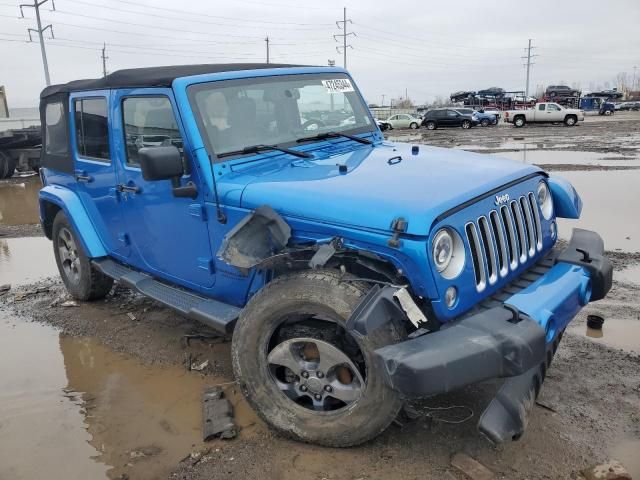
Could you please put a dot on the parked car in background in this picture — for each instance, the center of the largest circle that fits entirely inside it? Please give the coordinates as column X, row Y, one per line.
column 545, row 112
column 382, row 125
column 403, row 120
column 612, row 94
column 447, row 117
column 524, row 99
column 484, row 119
column 626, row 106
column 561, row 91
column 491, row 92
column 461, row 95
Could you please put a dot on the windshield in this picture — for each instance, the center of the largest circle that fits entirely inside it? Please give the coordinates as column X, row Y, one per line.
column 235, row 114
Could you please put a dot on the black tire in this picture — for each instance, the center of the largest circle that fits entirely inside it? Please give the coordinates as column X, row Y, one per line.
column 570, row 120
column 552, row 94
column 82, row 280
column 414, row 126
column 318, row 293
column 485, row 122
column 7, row 166
column 608, row 113
column 431, row 125
column 519, row 121
column 466, row 124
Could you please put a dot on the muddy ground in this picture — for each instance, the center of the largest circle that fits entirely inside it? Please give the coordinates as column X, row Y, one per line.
column 131, row 405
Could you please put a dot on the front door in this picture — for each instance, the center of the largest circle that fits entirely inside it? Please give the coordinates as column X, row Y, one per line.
column 95, row 169
column 554, row 113
column 168, row 234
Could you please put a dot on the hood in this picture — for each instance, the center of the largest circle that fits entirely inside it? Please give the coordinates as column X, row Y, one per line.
column 380, row 184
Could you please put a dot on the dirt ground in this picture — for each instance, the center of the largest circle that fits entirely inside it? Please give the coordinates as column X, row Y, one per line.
column 588, row 410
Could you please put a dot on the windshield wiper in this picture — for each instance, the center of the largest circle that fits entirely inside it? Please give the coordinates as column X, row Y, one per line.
column 262, row 148
column 325, row 135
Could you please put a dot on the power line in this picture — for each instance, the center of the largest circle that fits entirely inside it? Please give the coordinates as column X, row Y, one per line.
column 344, row 36
column 40, row 30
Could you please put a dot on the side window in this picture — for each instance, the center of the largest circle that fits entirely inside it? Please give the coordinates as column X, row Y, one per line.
column 92, row 128
column 148, row 122
column 452, row 113
column 541, row 107
column 553, row 108
column 56, row 131
column 441, row 113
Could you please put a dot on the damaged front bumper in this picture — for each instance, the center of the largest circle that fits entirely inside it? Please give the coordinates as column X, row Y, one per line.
column 515, row 339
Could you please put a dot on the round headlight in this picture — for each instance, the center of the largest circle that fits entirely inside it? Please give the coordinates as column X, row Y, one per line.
column 442, row 249
column 544, row 200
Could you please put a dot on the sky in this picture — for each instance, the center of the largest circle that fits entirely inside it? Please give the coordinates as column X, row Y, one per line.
column 424, row 48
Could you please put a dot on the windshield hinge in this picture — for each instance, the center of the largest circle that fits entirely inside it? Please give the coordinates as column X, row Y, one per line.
column 399, row 225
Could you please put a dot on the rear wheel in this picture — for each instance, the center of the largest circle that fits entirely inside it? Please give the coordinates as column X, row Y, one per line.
column 466, row 124
column 608, row 113
column 82, row 280
column 570, row 120
column 431, row 125
column 302, row 371
column 519, row 121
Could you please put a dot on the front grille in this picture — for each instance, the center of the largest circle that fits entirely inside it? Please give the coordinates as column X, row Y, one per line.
column 504, row 239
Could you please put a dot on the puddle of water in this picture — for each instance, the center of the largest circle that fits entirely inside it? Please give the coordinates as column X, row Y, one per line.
column 616, row 333
column 71, row 408
column 610, row 201
column 19, row 202
column 25, row 260
column 628, row 274
column 626, row 452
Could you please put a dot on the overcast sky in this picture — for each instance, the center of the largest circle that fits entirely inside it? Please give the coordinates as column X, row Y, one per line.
column 428, row 48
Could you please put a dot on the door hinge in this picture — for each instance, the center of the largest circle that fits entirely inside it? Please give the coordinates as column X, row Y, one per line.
column 206, row 263
column 197, row 210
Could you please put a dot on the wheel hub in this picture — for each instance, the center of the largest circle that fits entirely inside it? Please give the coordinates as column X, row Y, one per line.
column 318, row 382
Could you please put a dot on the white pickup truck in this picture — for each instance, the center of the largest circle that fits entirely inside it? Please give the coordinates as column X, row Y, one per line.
column 544, row 112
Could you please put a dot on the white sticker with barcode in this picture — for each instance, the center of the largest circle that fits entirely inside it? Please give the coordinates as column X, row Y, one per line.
column 338, row 85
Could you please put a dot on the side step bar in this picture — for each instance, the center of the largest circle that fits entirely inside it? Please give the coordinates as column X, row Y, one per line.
column 217, row 315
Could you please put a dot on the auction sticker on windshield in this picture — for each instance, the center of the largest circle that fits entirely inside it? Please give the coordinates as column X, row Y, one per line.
column 338, row 85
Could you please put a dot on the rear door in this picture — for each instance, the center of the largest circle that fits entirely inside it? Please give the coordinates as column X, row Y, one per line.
column 168, row 234
column 95, row 171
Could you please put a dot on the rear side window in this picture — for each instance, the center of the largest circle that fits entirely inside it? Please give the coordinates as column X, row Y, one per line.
column 149, row 122
column 92, row 128
column 56, row 133
column 541, row 107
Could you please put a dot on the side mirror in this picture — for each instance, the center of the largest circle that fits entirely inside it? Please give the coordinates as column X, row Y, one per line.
column 160, row 163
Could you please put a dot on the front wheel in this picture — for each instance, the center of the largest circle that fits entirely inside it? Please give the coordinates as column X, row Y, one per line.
column 466, row 124
column 431, row 125
column 607, row 113
column 301, row 370
column 82, row 280
column 414, row 126
column 485, row 122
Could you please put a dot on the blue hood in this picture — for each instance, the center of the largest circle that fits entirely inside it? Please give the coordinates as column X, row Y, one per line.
column 375, row 189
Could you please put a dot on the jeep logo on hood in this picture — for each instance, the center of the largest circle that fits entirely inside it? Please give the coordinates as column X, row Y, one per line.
column 501, row 199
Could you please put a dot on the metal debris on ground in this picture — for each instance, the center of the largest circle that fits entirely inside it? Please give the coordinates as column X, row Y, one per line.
column 217, row 415
column 69, row 303
column 131, row 316
column 198, row 367
column 471, row 467
column 211, row 337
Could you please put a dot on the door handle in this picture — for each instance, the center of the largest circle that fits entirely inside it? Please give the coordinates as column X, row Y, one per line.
column 128, row 188
column 81, row 176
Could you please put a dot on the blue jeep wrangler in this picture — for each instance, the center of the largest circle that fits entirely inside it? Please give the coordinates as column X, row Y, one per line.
column 263, row 201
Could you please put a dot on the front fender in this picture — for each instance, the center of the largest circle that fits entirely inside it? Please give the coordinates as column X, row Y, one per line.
column 566, row 201
column 82, row 225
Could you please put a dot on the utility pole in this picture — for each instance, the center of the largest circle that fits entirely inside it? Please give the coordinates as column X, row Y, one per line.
column 528, row 58
column 383, row 95
column 104, row 60
column 36, row 6
column 267, row 42
column 344, row 35
column 633, row 84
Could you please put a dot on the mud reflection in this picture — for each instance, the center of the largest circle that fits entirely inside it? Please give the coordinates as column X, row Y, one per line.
column 19, row 202
column 25, row 260
column 616, row 332
column 88, row 412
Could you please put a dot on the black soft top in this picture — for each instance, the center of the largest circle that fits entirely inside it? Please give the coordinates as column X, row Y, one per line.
column 152, row 76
